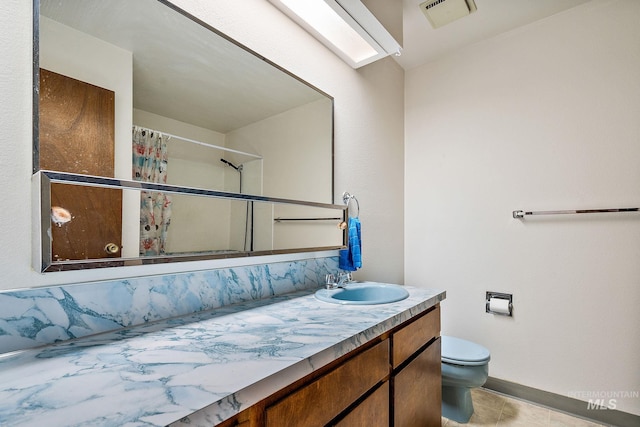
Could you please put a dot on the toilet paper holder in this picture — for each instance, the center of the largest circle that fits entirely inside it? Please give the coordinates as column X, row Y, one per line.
column 506, row 308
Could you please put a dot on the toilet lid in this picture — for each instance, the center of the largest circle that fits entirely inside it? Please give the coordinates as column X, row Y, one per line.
column 462, row 352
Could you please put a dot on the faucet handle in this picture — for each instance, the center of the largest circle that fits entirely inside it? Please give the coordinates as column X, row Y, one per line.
column 345, row 277
column 330, row 279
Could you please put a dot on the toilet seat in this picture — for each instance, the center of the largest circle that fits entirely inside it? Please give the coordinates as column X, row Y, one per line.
column 462, row 352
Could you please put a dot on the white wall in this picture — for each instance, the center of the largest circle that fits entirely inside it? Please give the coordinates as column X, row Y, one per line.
column 292, row 144
column 544, row 117
column 368, row 136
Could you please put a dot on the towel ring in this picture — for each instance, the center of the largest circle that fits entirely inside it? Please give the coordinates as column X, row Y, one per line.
column 347, row 198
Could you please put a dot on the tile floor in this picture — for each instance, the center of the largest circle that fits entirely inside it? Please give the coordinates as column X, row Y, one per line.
column 493, row 409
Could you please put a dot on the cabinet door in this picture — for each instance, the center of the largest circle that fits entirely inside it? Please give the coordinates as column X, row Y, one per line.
column 418, row 390
column 372, row 412
column 409, row 339
column 317, row 403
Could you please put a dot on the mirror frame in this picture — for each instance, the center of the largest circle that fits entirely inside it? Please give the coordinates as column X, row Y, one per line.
column 42, row 180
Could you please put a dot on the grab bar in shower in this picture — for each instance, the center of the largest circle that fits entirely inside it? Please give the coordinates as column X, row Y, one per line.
column 306, row 219
column 521, row 214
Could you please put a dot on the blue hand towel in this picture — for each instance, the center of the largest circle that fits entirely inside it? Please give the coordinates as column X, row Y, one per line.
column 351, row 258
column 343, row 262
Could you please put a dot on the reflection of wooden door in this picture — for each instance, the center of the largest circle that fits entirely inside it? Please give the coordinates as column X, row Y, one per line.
column 77, row 127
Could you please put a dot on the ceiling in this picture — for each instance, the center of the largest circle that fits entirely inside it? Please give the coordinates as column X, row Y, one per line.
column 423, row 44
column 191, row 47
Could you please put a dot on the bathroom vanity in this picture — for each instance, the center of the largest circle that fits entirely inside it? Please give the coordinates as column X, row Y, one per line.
column 395, row 376
column 287, row 360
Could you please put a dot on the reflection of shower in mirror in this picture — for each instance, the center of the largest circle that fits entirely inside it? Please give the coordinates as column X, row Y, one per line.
column 238, row 168
column 248, row 245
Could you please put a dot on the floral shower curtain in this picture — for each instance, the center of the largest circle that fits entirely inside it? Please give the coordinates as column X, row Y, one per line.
column 150, row 165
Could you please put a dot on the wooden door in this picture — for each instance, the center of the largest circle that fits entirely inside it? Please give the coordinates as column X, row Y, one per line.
column 76, row 134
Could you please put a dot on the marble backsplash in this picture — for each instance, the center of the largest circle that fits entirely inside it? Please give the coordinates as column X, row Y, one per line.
column 35, row 317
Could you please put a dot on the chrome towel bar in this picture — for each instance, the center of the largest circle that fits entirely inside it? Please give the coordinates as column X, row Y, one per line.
column 522, row 214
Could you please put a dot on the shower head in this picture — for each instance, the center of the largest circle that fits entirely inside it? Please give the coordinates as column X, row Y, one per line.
column 228, row 163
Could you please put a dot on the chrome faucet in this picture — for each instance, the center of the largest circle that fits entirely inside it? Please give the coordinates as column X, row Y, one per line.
column 340, row 280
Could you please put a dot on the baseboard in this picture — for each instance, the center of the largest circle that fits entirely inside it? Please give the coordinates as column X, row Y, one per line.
column 569, row 405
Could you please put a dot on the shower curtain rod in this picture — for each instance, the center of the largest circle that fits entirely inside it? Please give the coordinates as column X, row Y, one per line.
column 193, row 141
column 522, row 214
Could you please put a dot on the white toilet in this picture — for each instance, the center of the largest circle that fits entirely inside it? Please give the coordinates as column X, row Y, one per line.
column 464, row 365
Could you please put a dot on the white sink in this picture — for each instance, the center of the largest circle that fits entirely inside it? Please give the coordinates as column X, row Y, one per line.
column 361, row 293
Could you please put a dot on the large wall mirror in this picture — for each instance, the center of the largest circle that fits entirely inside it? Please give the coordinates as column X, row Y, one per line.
column 142, row 91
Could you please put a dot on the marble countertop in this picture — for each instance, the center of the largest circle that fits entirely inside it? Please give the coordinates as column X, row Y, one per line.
column 196, row 370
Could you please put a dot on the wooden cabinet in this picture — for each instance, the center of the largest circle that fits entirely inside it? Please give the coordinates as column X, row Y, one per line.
column 414, row 335
column 394, row 380
column 417, row 377
column 319, row 402
column 418, row 390
column 372, row 412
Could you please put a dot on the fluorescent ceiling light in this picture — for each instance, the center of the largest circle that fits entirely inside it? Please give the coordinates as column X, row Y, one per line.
column 347, row 27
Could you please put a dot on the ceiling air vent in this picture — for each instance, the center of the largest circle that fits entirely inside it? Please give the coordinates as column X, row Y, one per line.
column 442, row 12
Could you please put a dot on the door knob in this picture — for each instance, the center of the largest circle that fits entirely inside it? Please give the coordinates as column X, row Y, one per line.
column 111, row 248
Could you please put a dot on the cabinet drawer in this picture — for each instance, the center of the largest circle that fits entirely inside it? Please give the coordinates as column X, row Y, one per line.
column 409, row 339
column 372, row 412
column 322, row 400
